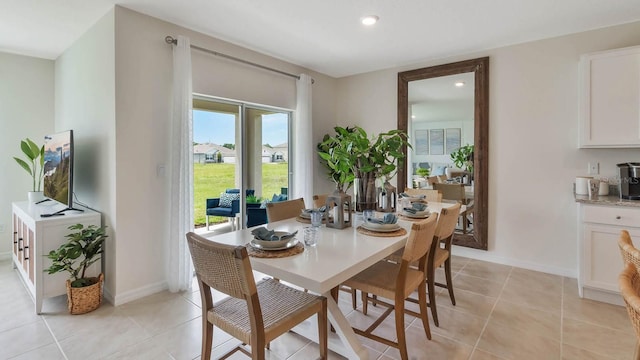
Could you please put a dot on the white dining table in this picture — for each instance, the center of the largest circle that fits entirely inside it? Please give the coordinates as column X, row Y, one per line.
column 338, row 255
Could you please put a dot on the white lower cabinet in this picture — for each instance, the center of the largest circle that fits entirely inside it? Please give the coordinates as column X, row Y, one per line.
column 33, row 238
column 600, row 262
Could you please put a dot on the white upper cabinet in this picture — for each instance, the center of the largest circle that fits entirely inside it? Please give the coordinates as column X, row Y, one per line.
column 610, row 99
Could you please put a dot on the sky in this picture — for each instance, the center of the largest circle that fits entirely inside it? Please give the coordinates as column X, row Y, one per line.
column 219, row 128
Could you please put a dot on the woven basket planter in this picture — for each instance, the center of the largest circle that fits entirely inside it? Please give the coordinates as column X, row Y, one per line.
column 84, row 299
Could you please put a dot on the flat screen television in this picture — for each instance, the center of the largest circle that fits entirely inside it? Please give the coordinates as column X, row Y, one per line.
column 58, row 168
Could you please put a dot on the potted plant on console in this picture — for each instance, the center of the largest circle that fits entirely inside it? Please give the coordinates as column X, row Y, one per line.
column 34, row 166
column 82, row 248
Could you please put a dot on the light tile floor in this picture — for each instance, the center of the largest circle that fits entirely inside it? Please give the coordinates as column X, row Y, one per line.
column 502, row 312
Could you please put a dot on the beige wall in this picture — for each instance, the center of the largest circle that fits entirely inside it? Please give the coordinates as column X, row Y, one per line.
column 143, row 63
column 533, row 155
column 26, row 110
column 85, row 103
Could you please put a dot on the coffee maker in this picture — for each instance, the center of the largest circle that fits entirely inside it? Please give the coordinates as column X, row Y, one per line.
column 629, row 180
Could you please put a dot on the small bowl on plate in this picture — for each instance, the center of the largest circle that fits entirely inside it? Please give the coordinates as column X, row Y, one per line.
column 275, row 243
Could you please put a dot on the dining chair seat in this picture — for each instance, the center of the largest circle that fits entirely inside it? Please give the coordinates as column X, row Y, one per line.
column 440, row 256
column 380, row 280
column 281, row 306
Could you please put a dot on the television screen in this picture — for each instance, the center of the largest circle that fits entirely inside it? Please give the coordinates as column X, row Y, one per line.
column 58, row 167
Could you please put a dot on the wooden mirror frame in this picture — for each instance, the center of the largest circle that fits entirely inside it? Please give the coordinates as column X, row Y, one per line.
column 478, row 239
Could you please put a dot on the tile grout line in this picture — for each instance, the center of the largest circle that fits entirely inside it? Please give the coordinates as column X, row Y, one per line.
column 55, row 339
column 562, row 319
column 504, row 285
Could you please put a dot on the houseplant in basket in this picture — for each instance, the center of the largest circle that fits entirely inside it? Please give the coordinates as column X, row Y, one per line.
column 82, row 248
column 34, row 165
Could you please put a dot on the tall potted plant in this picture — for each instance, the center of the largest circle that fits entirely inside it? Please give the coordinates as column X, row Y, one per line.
column 34, row 165
column 354, row 157
column 82, row 248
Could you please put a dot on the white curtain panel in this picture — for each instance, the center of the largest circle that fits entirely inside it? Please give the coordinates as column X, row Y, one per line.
column 303, row 146
column 179, row 269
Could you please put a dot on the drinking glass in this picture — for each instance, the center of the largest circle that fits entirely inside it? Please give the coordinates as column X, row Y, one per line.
column 316, row 218
column 311, row 235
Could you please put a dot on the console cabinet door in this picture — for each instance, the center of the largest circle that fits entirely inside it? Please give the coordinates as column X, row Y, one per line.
column 610, row 99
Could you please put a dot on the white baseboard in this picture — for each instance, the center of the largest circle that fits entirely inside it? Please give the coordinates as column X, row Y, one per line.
column 135, row 294
column 5, row 255
column 487, row 256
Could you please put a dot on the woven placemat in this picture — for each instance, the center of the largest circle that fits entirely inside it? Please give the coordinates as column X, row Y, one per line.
column 398, row 232
column 275, row 253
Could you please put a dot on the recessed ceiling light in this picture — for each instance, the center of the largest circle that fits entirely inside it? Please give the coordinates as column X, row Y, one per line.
column 413, row 116
column 370, row 20
column 460, row 83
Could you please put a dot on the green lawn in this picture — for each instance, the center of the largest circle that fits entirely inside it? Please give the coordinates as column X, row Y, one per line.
column 209, row 180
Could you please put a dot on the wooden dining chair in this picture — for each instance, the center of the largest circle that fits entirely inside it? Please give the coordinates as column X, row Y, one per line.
column 281, row 210
column 430, row 195
column 254, row 313
column 630, row 254
column 629, row 282
column 456, row 192
column 440, row 254
column 320, row 200
column 397, row 281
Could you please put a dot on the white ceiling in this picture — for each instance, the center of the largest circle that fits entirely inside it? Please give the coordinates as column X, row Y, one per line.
column 325, row 36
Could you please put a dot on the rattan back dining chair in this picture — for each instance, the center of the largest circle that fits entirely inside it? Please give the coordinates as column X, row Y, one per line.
column 397, row 281
column 630, row 254
column 430, row 195
column 629, row 282
column 254, row 313
column 440, row 255
column 281, row 210
column 320, row 200
column 456, row 192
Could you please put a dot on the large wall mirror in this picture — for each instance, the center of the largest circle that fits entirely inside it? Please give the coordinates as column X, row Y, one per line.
column 443, row 108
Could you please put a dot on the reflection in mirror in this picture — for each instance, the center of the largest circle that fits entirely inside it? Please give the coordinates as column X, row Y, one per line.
column 444, row 110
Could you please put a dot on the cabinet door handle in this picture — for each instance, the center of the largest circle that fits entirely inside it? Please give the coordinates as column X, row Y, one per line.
column 19, row 248
column 618, row 217
column 25, row 251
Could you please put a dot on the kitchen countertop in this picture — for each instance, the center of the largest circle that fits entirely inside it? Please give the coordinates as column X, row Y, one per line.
column 607, row 200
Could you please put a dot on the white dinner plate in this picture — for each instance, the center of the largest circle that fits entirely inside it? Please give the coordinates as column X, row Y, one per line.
column 418, row 215
column 288, row 245
column 380, row 227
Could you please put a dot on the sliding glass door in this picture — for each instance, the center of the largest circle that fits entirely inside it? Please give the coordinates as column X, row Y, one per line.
column 242, row 147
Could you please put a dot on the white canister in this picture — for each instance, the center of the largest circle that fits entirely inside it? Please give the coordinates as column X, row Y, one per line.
column 582, row 185
column 604, row 187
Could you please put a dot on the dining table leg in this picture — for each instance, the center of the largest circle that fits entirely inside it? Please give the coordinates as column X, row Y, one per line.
column 352, row 346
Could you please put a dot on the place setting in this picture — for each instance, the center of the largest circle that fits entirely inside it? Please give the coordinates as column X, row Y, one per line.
column 413, row 198
column 315, row 217
column 273, row 244
column 386, row 226
column 417, row 211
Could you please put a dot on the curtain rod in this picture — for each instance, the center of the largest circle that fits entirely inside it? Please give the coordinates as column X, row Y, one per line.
column 171, row 40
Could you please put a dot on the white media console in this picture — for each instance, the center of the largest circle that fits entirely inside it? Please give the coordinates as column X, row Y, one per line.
column 34, row 236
